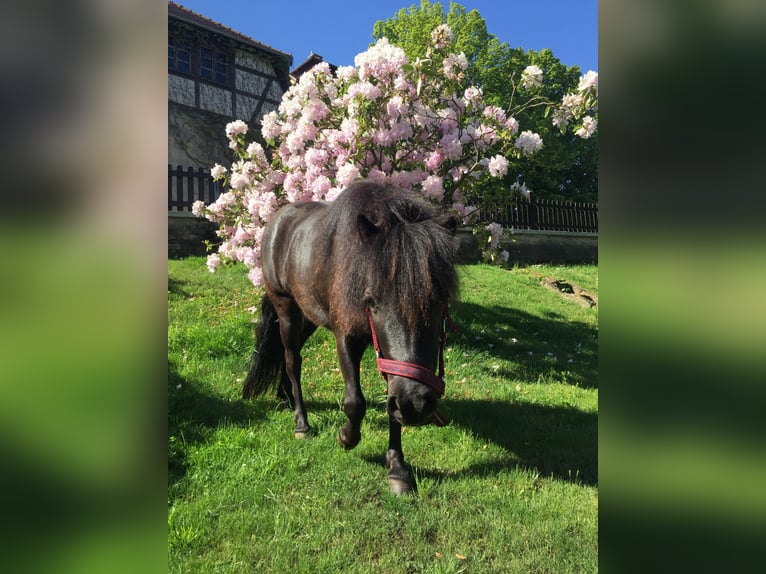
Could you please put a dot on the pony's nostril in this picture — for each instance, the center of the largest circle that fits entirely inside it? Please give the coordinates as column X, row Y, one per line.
column 392, row 405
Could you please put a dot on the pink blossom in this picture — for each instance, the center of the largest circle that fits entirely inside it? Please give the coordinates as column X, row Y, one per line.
column 587, row 129
column 588, row 81
column 213, row 262
column 217, row 172
column 454, row 65
column 376, row 175
column 532, row 77
column 512, row 125
column 367, row 90
column 380, row 60
column 442, row 37
column 345, row 73
column 396, row 107
column 316, row 157
column 249, row 256
column 290, row 106
column 458, row 172
column 270, row 128
column 349, row 128
column 401, row 131
column 292, row 183
column 453, row 149
column 295, row 142
column 472, row 95
column 198, row 208
column 467, row 212
column 495, row 231
column 495, row 113
column 256, row 276
column 406, row 125
column 498, row 166
column 315, row 110
column 529, row 142
column 383, row 138
column 333, row 193
column 320, row 187
column 433, row 187
column 236, row 128
column 435, row 158
column 347, row 173
column 255, row 151
column 238, row 181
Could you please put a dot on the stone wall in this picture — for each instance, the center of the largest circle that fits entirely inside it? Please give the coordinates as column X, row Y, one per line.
column 186, row 235
column 530, row 247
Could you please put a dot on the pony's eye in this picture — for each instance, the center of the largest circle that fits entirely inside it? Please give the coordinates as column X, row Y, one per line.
column 369, row 300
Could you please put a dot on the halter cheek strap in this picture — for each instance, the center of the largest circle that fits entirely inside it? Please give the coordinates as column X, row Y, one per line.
column 411, row 370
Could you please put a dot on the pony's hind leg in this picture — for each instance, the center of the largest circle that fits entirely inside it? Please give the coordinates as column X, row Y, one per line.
column 294, row 329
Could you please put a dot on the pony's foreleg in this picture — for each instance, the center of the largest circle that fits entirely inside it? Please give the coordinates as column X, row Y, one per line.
column 294, row 329
column 350, row 353
column 399, row 478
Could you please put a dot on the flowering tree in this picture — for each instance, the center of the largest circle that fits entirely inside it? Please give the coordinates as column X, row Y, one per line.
column 411, row 124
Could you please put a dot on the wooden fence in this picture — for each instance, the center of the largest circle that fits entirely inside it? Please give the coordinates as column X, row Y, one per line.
column 543, row 215
column 185, row 186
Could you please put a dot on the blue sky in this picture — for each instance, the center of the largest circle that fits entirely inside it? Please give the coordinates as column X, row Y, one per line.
column 340, row 29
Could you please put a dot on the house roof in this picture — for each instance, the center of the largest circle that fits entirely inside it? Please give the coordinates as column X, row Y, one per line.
column 307, row 64
column 184, row 14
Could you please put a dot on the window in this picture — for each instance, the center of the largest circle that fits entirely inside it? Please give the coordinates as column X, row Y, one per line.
column 179, row 57
column 213, row 65
column 220, row 67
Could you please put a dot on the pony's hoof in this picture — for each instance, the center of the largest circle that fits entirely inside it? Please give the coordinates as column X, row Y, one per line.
column 400, row 487
column 302, row 434
column 348, row 440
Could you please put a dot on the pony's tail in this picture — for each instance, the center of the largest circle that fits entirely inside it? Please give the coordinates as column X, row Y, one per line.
column 269, row 356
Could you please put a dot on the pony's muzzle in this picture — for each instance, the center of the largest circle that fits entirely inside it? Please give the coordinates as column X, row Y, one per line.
column 411, row 403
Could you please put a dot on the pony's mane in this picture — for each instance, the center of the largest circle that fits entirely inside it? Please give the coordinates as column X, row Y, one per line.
column 409, row 256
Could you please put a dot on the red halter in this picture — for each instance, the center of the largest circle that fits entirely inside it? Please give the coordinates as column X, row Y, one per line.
column 411, row 370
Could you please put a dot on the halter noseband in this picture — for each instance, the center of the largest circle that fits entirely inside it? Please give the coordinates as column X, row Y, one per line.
column 411, row 370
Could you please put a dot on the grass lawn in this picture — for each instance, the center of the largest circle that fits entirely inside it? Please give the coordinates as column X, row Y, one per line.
column 509, row 486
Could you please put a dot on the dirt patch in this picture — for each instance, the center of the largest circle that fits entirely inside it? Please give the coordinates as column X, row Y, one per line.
column 571, row 291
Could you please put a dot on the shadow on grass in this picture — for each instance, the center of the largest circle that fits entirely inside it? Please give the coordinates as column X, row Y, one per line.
column 555, row 442
column 193, row 413
column 564, row 340
column 175, row 287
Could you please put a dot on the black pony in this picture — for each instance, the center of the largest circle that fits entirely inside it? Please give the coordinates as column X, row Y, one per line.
column 378, row 264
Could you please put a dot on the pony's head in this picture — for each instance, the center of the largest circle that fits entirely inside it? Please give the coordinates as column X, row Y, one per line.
column 403, row 271
column 413, row 388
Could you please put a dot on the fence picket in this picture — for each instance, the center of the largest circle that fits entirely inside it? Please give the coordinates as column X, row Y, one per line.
column 185, row 186
column 543, row 215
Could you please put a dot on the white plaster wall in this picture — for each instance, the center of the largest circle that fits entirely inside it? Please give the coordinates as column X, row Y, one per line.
column 245, row 107
column 214, row 99
column 254, row 62
column 180, row 90
column 251, row 83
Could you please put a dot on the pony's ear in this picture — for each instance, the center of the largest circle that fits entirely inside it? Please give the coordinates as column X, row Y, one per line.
column 448, row 221
column 366, row 227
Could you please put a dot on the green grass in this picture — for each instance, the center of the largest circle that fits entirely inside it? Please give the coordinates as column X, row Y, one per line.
column 509, row 486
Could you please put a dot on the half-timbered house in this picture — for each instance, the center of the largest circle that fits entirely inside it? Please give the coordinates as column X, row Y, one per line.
column 215, row 75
